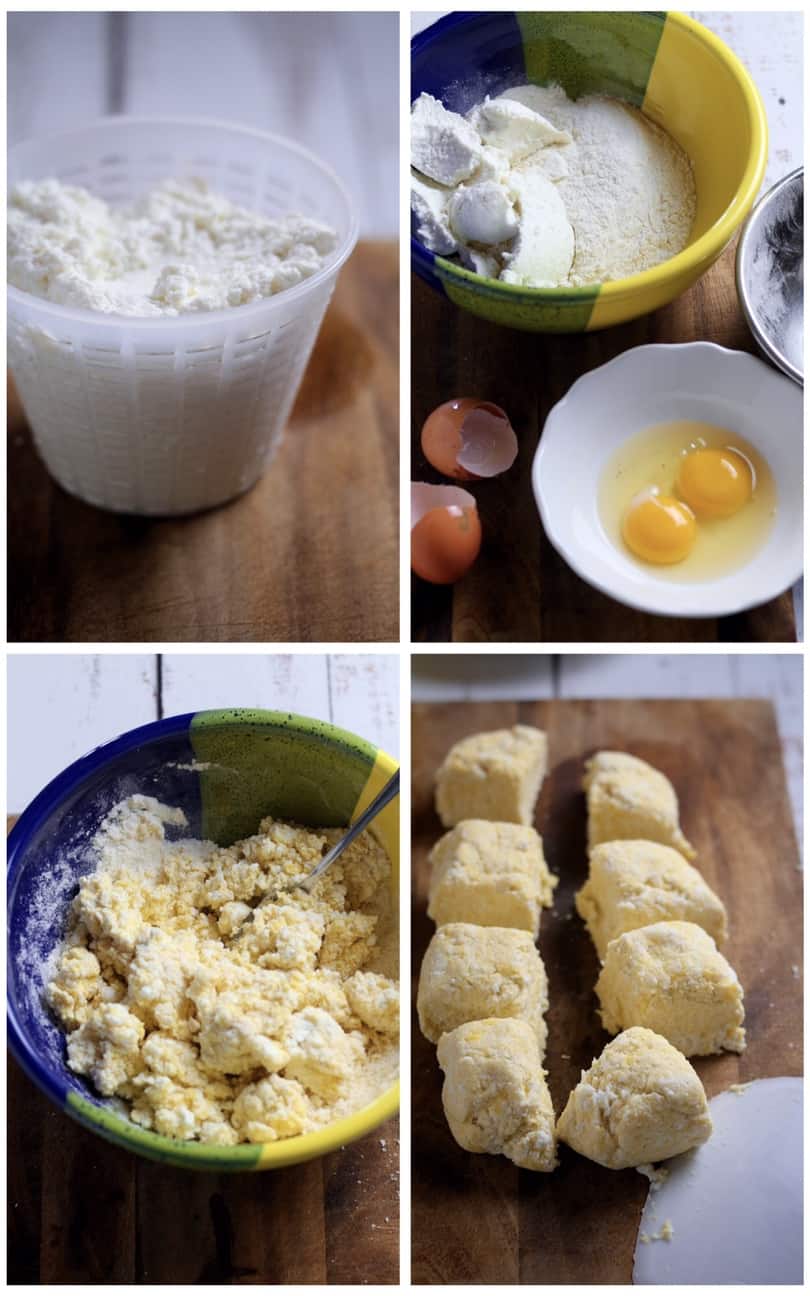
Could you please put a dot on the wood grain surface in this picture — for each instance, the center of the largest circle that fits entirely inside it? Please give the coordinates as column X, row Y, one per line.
column 309, row 554
column 83, row 1211
column 478, row 1219
column 519, row 589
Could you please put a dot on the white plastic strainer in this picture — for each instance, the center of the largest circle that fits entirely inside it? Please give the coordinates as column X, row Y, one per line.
column 175, row 414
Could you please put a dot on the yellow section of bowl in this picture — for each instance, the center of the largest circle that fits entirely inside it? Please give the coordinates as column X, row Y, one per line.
column 305, row 1147
column 702, row 95
column 694, row 66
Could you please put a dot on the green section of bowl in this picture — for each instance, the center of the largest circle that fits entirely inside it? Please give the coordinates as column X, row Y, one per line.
column 197, row 1156
column 259, row 763
column 592, row 53
column 567, row 311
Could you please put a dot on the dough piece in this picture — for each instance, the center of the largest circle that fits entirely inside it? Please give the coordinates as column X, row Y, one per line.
column 271, row 1109
column 375, row 999
column 671, row 978
column 495, row 1094
column 469, row 973
column 634, row 883
column 107, row 1047
column 493, row 775
column 322, row 1056
column 493, row 874
column 629, row 800
column 639, row 1101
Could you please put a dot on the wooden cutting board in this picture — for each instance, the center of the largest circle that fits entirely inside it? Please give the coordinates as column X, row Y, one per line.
column 310, row 554
column 478, row 1219
column 83, row 1211
column 519, row 589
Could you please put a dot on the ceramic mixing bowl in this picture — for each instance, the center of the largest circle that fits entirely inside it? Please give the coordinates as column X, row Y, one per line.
column 676, row 71
column 226, row 770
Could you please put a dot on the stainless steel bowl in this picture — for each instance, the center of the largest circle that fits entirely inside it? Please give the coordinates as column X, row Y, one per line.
column 770, row 274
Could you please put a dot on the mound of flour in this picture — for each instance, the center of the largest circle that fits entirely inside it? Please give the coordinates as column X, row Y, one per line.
column 629, row 192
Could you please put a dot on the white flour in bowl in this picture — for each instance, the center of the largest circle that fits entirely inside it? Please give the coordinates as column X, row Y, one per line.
column 597, row 191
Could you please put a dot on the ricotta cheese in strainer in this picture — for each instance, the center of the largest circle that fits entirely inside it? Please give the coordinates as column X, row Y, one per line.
column 179, row 248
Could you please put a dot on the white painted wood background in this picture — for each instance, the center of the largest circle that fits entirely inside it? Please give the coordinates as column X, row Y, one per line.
column 60, row 706
column 527, row 676
column 770, row 46
column 328, row 80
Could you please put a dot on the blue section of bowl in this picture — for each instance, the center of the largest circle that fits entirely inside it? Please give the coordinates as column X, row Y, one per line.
column 48, row 851
column 464, row 57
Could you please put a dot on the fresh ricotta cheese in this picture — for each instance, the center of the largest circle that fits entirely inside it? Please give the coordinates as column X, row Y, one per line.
column 181, row 247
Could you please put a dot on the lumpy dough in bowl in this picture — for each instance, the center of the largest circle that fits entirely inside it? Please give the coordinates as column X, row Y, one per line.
column 218, row 1001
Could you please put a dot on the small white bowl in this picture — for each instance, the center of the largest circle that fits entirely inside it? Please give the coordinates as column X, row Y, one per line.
column 658, row 384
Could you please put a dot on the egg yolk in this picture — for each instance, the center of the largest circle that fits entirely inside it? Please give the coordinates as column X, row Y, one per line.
column 715, row 483
column 659, row 529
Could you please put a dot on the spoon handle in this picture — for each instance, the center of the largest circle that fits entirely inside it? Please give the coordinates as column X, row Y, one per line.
column 371, row 811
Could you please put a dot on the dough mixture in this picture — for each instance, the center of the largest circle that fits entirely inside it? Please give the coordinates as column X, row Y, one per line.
column 211, row 1006
column 537, row 190
column 180, row 248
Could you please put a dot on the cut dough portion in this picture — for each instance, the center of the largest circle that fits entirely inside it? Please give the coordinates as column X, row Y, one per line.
column 634, row 883
column 469, row 973
column 495, row 1094
column 493, row 775
column 629, row 800
column 493, row 874
column 640, row 1101
column 671, row 978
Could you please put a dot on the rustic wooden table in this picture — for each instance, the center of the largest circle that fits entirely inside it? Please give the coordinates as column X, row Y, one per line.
column 309, row 554
column 83, row 1211
column 478, row 1219
column 519, row 589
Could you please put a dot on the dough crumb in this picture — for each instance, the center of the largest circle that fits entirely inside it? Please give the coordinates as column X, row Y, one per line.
column 657, row 1177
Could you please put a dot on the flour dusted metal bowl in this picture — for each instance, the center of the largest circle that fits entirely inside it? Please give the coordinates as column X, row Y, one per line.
column 770, row 274
column 226, row 770
column 170, row 415
column 681, row 75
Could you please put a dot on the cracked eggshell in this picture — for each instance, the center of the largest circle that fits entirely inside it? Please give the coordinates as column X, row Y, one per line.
column 445, row 532
column 468, row 439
